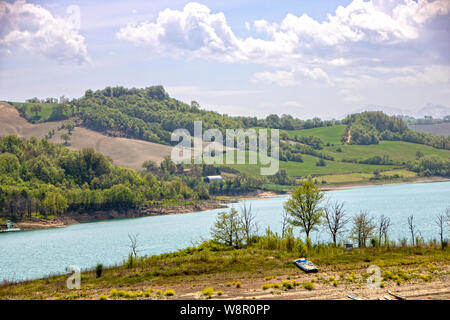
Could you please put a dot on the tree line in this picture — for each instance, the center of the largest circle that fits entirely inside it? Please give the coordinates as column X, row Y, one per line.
column 371, row 127
column 304, row 210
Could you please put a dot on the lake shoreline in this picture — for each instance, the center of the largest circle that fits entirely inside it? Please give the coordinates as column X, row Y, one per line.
column 104, row 215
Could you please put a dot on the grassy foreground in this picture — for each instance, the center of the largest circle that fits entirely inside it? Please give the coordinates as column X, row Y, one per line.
column 264, row 268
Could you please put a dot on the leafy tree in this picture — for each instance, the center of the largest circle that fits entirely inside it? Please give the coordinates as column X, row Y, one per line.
column 304, row 208
column 69, row 126
column 66, row 138
column 150, row 165
column 363, row 227
column 36, row 109
column 228, row 229
column 9, row 164
column 55, row 203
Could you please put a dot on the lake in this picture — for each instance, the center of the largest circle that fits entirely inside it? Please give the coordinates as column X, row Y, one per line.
column 39, row 253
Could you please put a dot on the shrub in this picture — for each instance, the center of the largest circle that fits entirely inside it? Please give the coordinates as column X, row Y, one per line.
column 103, row 297
column 219, row 293
column 114, row 293
column 335, row 283
column 266, row 286
column 426, row 278
column 287, row 284
column 270, row 285
column 308, row 285
column 237, row 284
column 207, row 292
column 387, row 275
column 169, row 292
column 99, row 270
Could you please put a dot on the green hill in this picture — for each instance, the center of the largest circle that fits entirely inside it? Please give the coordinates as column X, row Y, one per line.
column 365, row 145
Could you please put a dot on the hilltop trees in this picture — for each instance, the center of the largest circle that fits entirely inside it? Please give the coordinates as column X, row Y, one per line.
column 371, row 127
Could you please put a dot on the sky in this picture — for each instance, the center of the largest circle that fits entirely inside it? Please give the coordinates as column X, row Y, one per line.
column 320, row 58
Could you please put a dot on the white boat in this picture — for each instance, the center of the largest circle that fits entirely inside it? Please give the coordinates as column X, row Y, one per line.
column 9, row 227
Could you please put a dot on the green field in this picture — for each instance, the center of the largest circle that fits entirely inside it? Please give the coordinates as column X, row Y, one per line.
column 396, row 150
column 347, row 172
column 308, row 167
column 404, row 175
column 331, row 135
column 44, row 114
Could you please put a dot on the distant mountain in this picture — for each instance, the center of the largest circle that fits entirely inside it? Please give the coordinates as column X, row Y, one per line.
column 391, row 111
column 436, row 111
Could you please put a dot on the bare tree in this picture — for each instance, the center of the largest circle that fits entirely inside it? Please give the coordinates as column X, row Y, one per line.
column 249, row 225
column 447, row 216
column 284, row 222
column 383, row 228
column 335, row 219
column 412, row 229
column 134, row 243
column 440, row 222
column 363, row 228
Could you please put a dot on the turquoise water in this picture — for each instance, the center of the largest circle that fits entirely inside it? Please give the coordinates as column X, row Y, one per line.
column 35, row 254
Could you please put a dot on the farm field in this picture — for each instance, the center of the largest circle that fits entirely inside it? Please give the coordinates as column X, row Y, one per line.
column 44, row 114
column 331, row 135
column 130, row 153
column 438, row 128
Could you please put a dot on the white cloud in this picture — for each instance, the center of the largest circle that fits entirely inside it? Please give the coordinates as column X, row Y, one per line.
column 293, row 104
column 195, row 30
column 348, row 45
column 202, row 33
column 281, row 78
column 196, row 91
column 430, row 75
column 35, row 29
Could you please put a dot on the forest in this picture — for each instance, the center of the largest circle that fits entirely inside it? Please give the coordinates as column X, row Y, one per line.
column 45, row 179
column 371, row 127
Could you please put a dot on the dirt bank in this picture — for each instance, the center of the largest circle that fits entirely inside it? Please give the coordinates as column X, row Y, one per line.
column 381, row 183
column 80, row 217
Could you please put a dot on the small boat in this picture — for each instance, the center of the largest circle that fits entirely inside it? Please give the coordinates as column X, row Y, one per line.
column 305, row 265
column 9, row 227
column 354, row 297
column 396, row 295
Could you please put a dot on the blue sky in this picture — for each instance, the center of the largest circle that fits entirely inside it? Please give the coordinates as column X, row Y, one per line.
column 305, row 58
